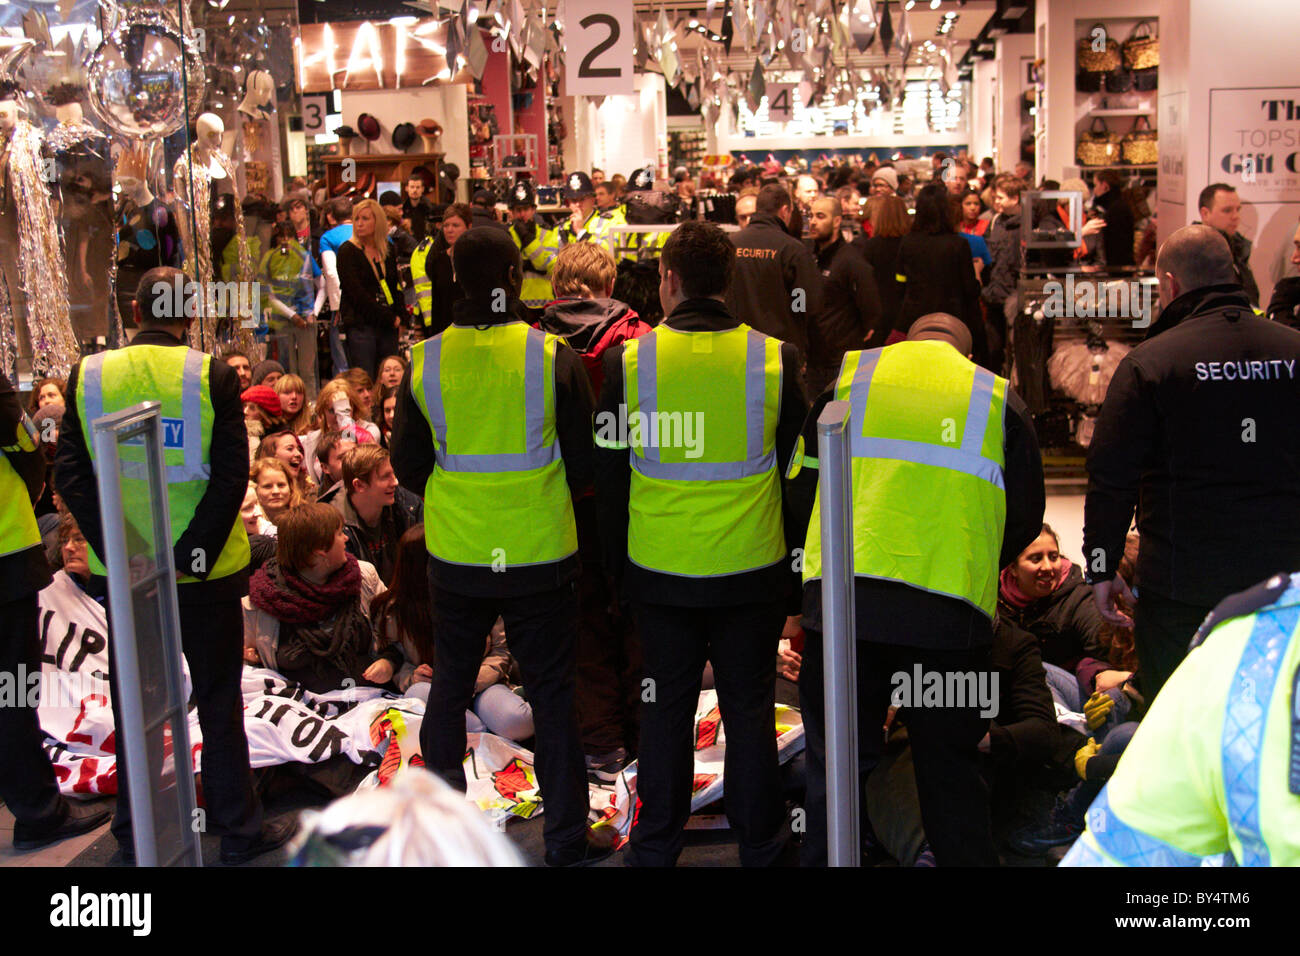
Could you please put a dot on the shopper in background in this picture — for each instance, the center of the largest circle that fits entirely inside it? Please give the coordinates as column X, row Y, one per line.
column 1004, row 245
column 1197, row 434
column 417, row 207
column 777, row 287
column 851, row 316
column 934, row 263
column 210, row 545
column 929, row 573
column 1220, row 208
column 745, row 206
column 1111, row 203
column 396, row 228
column 972, row 219
column 890, row 222
column 242, row 366
column 1284, row 306
column 338, row 222
column 502, row 541
column 884, row 181
column 371, row 302
column 699, row 535
column 28, row 786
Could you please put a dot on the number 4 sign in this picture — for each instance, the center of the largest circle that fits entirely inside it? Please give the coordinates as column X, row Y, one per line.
column 598, row 47
column 780, row 102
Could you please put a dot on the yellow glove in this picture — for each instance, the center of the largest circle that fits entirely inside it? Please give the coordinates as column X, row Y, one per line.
column 1083, row 755
column 1098, row 708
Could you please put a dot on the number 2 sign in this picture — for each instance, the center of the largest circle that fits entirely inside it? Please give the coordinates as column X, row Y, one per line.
column 598, row 47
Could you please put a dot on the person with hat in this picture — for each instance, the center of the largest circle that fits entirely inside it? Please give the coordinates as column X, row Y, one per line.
column 483, row 209
column 206, row 479
column 884, row 181
column 493, row 421
column 947, row 489
column 585, row 223
column 27, row 785
column 643, row 205
column 537, row 246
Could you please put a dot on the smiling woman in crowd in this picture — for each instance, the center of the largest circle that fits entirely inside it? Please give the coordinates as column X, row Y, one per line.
column 276, row 491
column 286, row 447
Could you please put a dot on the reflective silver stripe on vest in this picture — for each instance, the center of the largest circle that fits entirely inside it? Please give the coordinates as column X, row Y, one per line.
column 757, row 462
column 536, row 454
column 194, row 467
column 966, row 459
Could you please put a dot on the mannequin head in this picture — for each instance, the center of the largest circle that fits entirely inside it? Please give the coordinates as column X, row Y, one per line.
column 8, row 114
column 259, row 91
column 69, row 114
column 208, row 130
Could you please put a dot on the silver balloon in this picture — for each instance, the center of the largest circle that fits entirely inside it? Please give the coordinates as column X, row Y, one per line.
column 138, row 76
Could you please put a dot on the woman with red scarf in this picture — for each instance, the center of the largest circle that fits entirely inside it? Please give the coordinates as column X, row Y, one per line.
column 307, row 610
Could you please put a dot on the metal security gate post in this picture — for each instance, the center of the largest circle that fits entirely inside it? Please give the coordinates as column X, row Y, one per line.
column 142, row 425
column 839, row 637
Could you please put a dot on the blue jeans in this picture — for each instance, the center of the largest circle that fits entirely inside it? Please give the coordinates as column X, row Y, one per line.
column 499, row 710
column 1065, row 691
column 366, row 346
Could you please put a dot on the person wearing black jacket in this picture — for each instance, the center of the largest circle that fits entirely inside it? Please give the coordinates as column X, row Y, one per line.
column 907, row 627
column 851, row 309
column 777, row 288
column 538, row 601
column 27, row 783
column 1110, row 201
column 211, row 618
column 1198, row 434
column 370, row 304
column 890, row 222
column 733, row 619
column 936, row 268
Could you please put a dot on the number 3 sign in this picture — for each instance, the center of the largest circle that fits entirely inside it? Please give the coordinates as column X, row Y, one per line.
column 598, row 47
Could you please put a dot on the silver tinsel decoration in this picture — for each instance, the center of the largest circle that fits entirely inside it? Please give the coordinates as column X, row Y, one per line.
column 40, row 259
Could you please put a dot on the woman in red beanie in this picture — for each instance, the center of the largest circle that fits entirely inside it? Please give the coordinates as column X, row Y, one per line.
column 262, row 415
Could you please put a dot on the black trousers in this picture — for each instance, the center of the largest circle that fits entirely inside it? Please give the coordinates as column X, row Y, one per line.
column 27, row 783
column 1162, row 630
column 212, row 637
column 541, row 630
column 953, row 795
column 609, row 651
column 740, row 642
column 367, row 346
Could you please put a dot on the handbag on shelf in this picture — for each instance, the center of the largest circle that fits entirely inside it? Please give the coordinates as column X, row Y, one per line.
column 1099, row 61
column 1119, row 80
column 1086, row 82
column 1139, row 146
column 1145, row 81
column 1098, row 147
column 1142, row 49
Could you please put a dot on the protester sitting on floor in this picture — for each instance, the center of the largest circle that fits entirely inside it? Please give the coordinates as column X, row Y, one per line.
column 307, row 610
column 364, row 386
column 376, row 510
column 76, row 560
column 338, row 409
column 276, row 491
column 293, row 403
column 329, row 461
column 403, row 617
column 387, row 409
column 262, row 415
column 391, row 370
column 286, row 447
column 1044, row 593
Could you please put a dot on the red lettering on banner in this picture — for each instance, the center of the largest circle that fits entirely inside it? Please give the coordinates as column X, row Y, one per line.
column 76, row 738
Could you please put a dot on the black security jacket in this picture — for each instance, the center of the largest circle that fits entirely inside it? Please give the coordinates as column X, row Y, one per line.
column 1198, row 434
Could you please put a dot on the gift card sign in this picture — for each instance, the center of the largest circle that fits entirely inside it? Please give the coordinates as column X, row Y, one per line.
column 598, row 47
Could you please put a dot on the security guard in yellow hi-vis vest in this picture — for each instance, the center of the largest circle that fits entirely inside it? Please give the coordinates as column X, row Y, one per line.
column 205, row 458
column 947, row 489
column 493, row 423
column 644, row 206
column 1212, row 776
column 693, row 419
column 422, row 281
column 537, row 246
column 27, row 784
